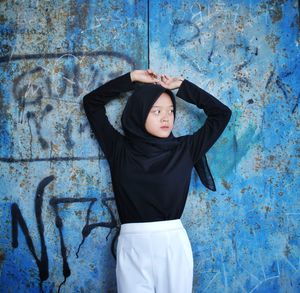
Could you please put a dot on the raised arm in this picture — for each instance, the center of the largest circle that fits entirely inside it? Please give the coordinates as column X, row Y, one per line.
column 94, row 107
column 218, row 116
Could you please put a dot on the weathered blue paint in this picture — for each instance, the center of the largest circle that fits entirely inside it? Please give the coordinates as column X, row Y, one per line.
column 245, row 236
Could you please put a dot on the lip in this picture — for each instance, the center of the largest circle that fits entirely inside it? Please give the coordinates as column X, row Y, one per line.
column 165, row 127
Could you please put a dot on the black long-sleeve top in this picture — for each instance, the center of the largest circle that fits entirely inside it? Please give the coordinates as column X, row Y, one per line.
column 153, row 190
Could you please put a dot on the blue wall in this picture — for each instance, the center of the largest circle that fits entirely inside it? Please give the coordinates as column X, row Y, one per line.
column 57, row 206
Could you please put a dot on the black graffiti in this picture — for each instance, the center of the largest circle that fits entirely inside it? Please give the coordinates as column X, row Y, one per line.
column 53, row 159
column 112, row 224
column 277, row 80
column 17, row 219
column 54, row 202
column 59, row 224
column 38, row 81
column 8, row 58
column 31, row 87
column 297, row 104
column 42, row 263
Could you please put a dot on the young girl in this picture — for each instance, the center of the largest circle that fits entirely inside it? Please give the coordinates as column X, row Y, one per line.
column 151, row 171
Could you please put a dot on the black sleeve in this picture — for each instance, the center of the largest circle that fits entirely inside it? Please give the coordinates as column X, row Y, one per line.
column 93, row 104
column 218, row 116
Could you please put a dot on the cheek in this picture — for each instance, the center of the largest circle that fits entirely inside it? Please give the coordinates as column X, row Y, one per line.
column 172, row 119
column 150, row 122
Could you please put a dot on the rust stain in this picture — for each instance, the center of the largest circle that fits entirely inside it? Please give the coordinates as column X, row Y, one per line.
column 258, row 163
column 243, row 190
column 274, row 8
column 226, row 184
column 228, row 199
column 272, row 158
column 273, row 41
column 267, row 209
column 73, row 177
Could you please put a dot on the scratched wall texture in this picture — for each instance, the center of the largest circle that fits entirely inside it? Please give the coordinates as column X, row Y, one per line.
column 57, row 208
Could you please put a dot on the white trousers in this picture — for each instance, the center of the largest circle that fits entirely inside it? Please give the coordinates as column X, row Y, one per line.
column 154, row 257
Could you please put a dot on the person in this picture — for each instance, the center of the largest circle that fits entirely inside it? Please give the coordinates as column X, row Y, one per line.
column 151, row 171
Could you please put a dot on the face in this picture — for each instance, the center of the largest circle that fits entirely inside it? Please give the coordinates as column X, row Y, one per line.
column 160, row 119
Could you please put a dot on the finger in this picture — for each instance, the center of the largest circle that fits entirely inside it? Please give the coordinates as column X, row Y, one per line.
column 165, row 78
column 152, row 77
column 155, row 74
column 162, row 83
column 151, row 72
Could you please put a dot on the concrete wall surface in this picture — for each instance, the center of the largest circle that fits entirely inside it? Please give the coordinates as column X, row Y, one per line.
column 58, row 213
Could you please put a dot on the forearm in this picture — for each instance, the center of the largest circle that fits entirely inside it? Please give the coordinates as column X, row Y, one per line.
column 97, row 98
column 218, row 116
column 191, row 93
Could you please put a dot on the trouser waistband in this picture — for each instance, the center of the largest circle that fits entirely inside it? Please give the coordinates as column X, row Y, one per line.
column 155, row 226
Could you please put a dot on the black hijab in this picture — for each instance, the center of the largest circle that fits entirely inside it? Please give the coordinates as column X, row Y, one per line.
column 133, row 122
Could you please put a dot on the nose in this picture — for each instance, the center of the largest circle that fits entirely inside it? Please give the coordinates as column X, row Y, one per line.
column 165, row 118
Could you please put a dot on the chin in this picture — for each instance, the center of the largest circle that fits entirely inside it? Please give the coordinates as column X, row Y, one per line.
column 165, row 135
column 161, row 134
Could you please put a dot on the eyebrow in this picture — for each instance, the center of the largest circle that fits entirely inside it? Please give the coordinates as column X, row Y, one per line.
column 161, row 106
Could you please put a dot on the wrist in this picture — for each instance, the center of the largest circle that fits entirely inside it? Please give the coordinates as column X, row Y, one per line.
column 179, row 82
column 132, row 75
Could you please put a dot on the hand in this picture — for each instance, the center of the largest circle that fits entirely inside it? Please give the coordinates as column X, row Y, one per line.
column 170, row 82
column 146, row 76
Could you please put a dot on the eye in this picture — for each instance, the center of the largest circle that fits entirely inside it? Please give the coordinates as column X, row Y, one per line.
column 157, row 112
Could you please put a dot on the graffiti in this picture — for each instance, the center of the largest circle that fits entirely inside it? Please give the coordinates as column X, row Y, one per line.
column 53, row 159
column 42, row 262
column 60, row 55
column 233, row 12
column 17, row 219
column 239, row 54
column 39, row 92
